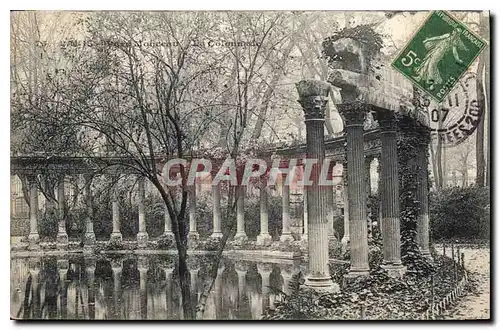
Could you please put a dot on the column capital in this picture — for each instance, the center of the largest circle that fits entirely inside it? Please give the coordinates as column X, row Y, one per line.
column 31, row 178
column 387, row 120
column 34, row 264
column 264, row 268
column 313, row 97
column 241, row 266
column 142, row 263
column 88, row 177
column 63, row 264
column 116, row 264
column 353, row 113
column 193, row 263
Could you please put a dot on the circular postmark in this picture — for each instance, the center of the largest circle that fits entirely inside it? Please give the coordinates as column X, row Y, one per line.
column 454, row 119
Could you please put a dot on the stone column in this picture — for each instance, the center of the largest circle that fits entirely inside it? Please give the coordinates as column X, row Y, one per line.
column 62, row 236
column 89, row 239
column 116, row 235
column 142, row 235
column 217, row 215
column 313, row 99
column 423, row 198
column 264, row 239
column 380, row 189
column 240, row 214
column 354, row 115
column 168, row 224
column 286, row 234
column 368, row 163
column 390, row 194
column 193, row 231
column 346, row 238
column 332, row 205
column 116, row 267
column 33, row 237
column 306, row 219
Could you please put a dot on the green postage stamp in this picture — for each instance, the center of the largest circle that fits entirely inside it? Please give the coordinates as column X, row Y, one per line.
column 439, row 54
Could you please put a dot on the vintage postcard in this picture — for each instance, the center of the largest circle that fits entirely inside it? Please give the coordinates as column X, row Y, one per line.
column 254, row 165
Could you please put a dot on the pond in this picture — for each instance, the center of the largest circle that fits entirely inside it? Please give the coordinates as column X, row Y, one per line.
column 140, row 287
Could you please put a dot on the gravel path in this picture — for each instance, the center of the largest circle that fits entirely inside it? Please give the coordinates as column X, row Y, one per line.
column 476, row 304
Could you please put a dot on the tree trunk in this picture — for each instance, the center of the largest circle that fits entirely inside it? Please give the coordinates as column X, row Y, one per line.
column 185, row 283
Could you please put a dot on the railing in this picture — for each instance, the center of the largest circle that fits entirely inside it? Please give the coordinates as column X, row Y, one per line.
column 437, row 308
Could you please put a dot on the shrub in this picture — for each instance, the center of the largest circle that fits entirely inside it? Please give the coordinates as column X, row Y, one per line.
column 460, row 212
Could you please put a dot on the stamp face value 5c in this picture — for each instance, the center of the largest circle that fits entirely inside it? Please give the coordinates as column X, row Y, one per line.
column 439, row 54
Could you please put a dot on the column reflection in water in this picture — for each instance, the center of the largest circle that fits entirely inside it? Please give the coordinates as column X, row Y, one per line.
column 34, row 269
column 218, row 292
column 265, row 275
column 117, row 289
column 286, row 274
column 90, row 270
column 62, row 268
column 142, row 266
column 19, row 278
column 168, row 291
column 116, row 267
column 194, row 270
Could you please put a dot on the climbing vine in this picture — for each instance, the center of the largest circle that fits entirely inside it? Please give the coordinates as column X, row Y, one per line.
column 411, row 136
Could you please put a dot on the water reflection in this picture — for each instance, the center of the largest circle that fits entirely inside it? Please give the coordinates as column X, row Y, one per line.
column 139, row 287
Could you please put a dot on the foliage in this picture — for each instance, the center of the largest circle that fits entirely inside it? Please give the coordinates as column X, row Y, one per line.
column 377, row 296
column 460, row 212
column 411, row 137
column 48, row 225
column 166, row 242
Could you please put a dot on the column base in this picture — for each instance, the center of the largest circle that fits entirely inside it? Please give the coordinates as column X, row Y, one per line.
column 286, row 237
column 240, row 236
column 426, row 253
column 168, row 234
column 62, row 241
column 115, row 237
column 239, row 239
column 142, row 239
column 194, row 236
column 217, row 234
column 322, row 284
column 332, row 238
column 34, row 239
column 394, row 271
column 89, row 239
column 355, row 273
column 193, row 239
column 264, row 240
